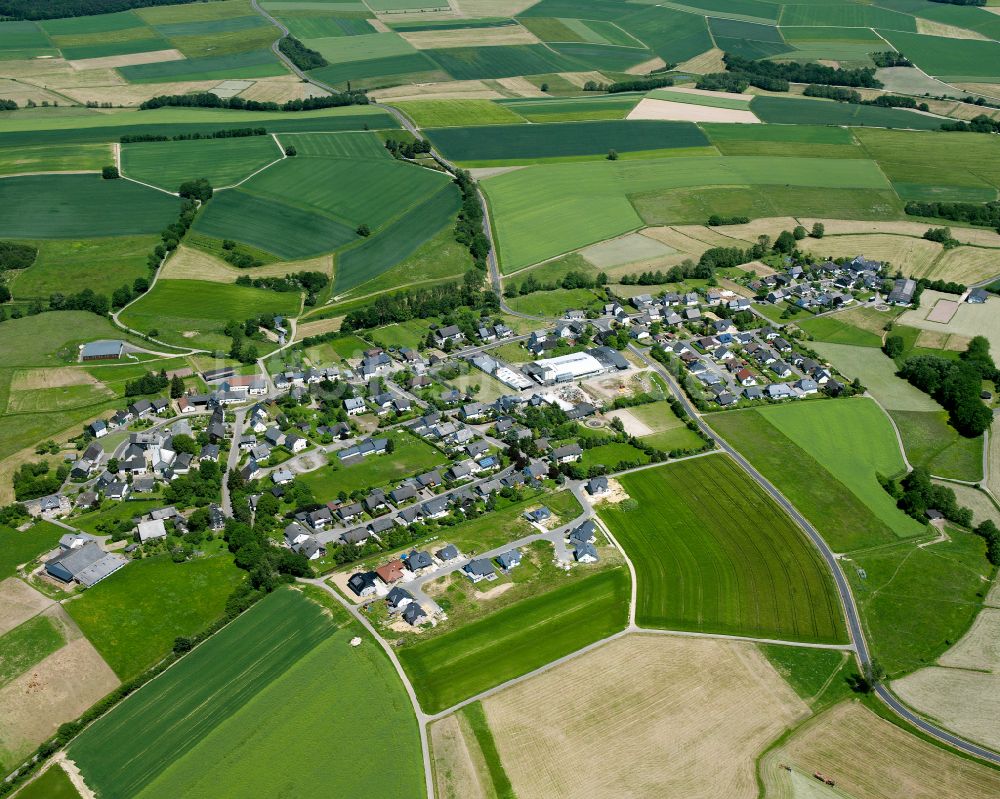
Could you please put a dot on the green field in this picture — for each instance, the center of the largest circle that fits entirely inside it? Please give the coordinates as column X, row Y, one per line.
column 400, row 240
column 78, row 206
column 537, row 210
column 54, row 158
column 717, row 101
column 713, row 553
column 167, row 164
column 555, row 303
column 133, row 616
column 18, row 547
column 916, row 602
column 576, row 109
column 670, row 432
column 202, row 308
column 802, row 111
column 505, row 61
column 196, row 731
column 54, row 783
column 806, row 140
column 412, row 456
column 933, row 443
column 830, row 329
column 71, row 265
column 831, row 484
column 563, row 140
column 457, row 113
column 950, row 59
column 336, row 145
column 818, row 676
column 338, row 50
column 28, row 644
column 250, row 64
column 322, row 26
column 516, row 640
column 611, row 455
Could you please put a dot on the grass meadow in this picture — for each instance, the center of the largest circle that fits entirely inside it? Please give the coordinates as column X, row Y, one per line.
column 573, row 109
column 916, row 602
column 537, row 210
column 713, row 553
column 842, row 517
column 669, row 432
column 81, row 206
column 17, row 547
column 802, row 111
column 458, row 113
column 133, row 616
column 54, row 158
column 832, row 330
column 27, row 644
column 167, row 164
column 610, row 455
column 513, row 641
column 350, row 144
column 195, row 731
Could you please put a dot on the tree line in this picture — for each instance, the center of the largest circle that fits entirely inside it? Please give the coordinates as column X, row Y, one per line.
column 149, row 383
column 739, row 81
column 209, row 100
column 979, row 214
column 7, row 105
column 802, row 73
column 407, row 149
column 310, row 282
column 979, row 124
column 228, row 133
column 53, row 9
column 303, row 57
column 402, row 306
column 637, row 85
column 845, row 95
column 574, row 279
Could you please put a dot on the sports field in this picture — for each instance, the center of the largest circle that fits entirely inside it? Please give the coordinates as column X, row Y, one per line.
column 192, row 312
column 537, row 209
column 714, row 554
column 196, row 730
column 492, row 143
column 79, row 206
column 133, row 616
column 513, row 641
column 167, row 164
column 847, row 506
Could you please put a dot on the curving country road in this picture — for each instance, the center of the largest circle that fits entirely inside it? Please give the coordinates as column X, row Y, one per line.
column 843, row 588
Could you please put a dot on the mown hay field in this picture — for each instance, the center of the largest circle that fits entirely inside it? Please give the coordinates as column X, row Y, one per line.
column 537, row 210
column 81, row 206
column 870, row 757
column 842, row 516
column 688, row 717
column 167, row 164
column 489, row 144
column 196, row 731
column 713, row 553
column 336, row 145
column 573, row 109
column 54, row 158
column 458, row 113
column 516, row 640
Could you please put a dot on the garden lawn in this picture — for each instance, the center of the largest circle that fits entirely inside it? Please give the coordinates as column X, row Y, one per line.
column 133, row 616
column 18, row 547
column 537, row 210
column 168, row 164
column 79, row 206
column 70, row 265
column 100, row 522
column 518, row 639
column 412, row 456
column 612, row 456
column 844, row 519
column 713, row 553
column 916, row 602
column 485, row 145
column 179, row 307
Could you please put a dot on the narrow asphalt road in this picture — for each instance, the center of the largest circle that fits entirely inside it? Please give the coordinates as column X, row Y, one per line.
column 843, row 588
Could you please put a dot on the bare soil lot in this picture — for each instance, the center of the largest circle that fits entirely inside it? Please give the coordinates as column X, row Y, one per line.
column 470, row 37
column 643, row 716
column 114, row 61
column 651, row 108
column 969, row 320
column 626, row 250
column 870, row 758
column 19, row 602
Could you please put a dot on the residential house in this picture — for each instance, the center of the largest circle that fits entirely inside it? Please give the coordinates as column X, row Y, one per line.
column 390, row 572
column 508, row 560
column 480, row 569
column 585, row 553
column 567, row 454
column 597, row 486
column 416, row 561
column 413, row 614
column 362, row 583
column 398, row 598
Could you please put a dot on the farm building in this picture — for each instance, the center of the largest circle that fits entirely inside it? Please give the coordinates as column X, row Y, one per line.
column 102, row 351
column 87, row 564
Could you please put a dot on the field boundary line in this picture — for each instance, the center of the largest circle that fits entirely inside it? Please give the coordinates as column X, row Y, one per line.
column 744, row 638
column 631, row 569
column 266, row 166
column 895, row 429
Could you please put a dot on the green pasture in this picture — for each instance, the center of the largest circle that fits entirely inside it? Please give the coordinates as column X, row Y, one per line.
column 713, row 553
column 877, row 373
column 834, row 331
column 400, row 240
column 354, row 145
column 322, row 26
column 843, row 517
column 192, row 312
column 917, row 602
column 537, row 210
column 818, row 676
column 670, row 432
column 51, row 338
column 284, row 230
column 695, row 205
column 611, row 455
column 411, row 333
column 54, row 783
column 457, row 113
column 804, row 111
column 933, row 443
column 563, row 140
column 133, row 616
column 338, row 49
column 224, row 162
column 503, row 61
column 576, row 109
column 811, row 141
column 950, row 59
column 411, row 67
column 516, row 640
column 55, row 158
column 411, row 457
column 250, row 64
column 555, row 303
column 28, row 644
column 18, row 547
column 854, row 441
column 78, row 206
column 71, row 265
